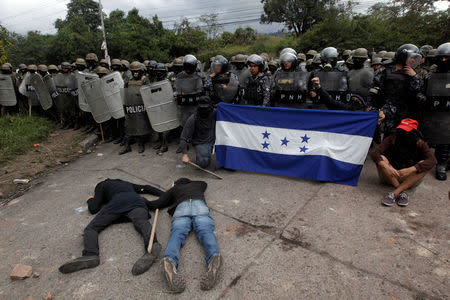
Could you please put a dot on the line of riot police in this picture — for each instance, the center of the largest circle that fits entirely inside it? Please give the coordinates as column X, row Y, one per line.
column 133, row 101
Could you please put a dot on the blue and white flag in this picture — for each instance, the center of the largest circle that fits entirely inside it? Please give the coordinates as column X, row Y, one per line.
column 323, row 145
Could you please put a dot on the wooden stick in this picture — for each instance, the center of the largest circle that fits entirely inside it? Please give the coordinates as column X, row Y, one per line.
column 152, row 235
column 29, row 107
column 204, row 170
column 101, row 131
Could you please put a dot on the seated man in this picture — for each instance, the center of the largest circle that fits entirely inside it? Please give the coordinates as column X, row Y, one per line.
column 186, row 202
column 120, row 199
column 403, row 159
column 200, row 131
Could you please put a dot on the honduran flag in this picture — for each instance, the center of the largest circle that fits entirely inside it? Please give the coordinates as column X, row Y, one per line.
column 325, row 145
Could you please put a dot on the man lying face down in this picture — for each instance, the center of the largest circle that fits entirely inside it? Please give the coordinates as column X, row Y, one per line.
column 187, row 205
column 116, row 199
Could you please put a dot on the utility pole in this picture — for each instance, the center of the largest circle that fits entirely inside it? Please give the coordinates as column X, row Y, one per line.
column 104, row 45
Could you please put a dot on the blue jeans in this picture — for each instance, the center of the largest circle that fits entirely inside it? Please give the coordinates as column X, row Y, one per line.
column 203, row 154
column 193, row 213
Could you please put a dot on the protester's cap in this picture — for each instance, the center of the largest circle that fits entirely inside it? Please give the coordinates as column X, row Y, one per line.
column 408, row 125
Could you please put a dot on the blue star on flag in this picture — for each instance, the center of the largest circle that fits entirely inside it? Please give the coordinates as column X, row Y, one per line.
column 265, row 145
column 305, row 139
column 265, row 135
column 303, row 149
column 284, row 141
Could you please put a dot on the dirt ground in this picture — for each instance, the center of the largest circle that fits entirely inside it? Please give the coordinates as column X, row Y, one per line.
column 61, row 147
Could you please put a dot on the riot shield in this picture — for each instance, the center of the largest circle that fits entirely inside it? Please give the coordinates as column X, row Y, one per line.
column 438, row 85
column 81, row 78
column 111, row 85
column 160, row 105
column 226, row 95
column 41, row 91
column 66, row 85
column 291, row 81
column 136, row 119
column 333, row 81
column 51, row 87
column 7, row 93
column 96, row 100
column 360, row 81
column 436, row 127
column 27, row 90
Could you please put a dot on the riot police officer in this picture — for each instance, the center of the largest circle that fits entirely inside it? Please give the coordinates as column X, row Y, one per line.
column 52, row 69
column 360, row 77
column 257, row 85
column 289, row 85
column 398, row 91
column 333, row 78
column 151, row 70
column 116, row 65
column 104, row 63
column 137, row 124
column 436, row 127
column 221, row 85
column 80, row 65
column 188, row 88
column 91, row 61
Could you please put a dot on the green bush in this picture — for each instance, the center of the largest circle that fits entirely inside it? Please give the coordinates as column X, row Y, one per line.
column 18, row 133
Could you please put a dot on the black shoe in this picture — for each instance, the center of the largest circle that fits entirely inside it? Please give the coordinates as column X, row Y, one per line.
column 76, row 127
column 90, row 129
column 175, row 281
column 117, row 141
column 80, row 263
column 141, row 148
column 125, row 149
column 210, row 277
column 441, row 172
column 157, row 146
column 162, row 150
column 84, row 129
column 146, row 261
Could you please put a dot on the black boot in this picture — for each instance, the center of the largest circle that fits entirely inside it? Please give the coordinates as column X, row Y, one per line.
column 146, row 261
column 126, row 148
column 141, row 148
column 162, row 150
column 442, row 155
column 80, row 263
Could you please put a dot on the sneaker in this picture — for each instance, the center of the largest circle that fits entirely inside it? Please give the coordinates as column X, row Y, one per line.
column 175, row 281
column 80, row 263
column 402, row 199
column 210, row 277
column 389, row 200
column 146, row 261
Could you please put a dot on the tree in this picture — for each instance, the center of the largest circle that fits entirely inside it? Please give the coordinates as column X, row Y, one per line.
column 212, row 26
column 88, row 10
column 301, row 15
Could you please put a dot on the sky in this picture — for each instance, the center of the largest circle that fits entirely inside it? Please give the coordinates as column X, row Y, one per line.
column 22, row 16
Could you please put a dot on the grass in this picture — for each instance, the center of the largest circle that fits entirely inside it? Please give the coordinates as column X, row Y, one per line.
column 19, row 132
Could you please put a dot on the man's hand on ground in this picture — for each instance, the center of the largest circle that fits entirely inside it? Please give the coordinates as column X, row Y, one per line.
column 185, row 159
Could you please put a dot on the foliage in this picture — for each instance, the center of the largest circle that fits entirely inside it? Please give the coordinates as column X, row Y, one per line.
column 313, row 24
column 18, row 133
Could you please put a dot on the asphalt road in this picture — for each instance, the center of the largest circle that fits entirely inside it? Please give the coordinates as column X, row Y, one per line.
column 281, row 238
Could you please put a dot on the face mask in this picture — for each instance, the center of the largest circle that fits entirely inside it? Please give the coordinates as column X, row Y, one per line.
column 204, row 112
column 136, row 75
column 80, row 68
column 327, row 67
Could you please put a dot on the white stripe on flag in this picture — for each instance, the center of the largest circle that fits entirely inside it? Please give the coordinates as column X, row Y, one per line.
column 343, row 147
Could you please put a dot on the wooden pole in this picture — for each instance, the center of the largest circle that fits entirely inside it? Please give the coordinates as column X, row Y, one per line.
column 101, row 132
column 29, row 107
column 204, row 170
column 152, row 235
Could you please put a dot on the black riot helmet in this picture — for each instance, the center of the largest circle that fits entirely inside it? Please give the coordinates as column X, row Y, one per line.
column 190, row 64
column 408, row 55
column 256, row 60
column 329, row 55
column 443, row 58
column 152, row 65
column 222, row 62
column 288, row 57
column 161, row 71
